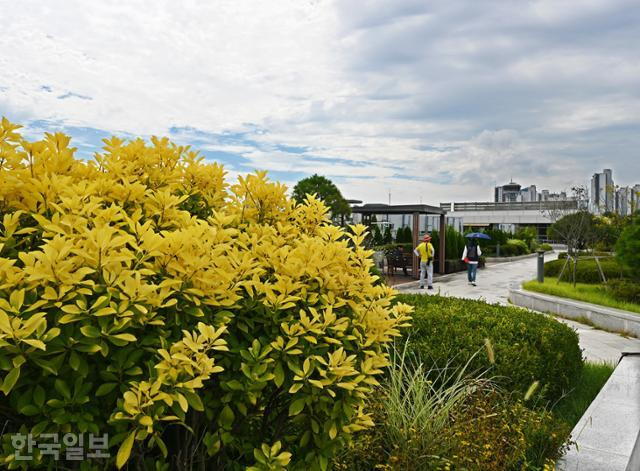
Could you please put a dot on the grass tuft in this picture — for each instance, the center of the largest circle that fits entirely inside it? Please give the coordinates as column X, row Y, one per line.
column 420, row 400
column 574, row 404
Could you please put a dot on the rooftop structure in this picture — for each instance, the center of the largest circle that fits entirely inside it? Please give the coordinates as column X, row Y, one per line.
column 415, row 210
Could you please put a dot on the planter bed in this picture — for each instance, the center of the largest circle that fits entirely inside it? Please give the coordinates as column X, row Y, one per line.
column 606, row 318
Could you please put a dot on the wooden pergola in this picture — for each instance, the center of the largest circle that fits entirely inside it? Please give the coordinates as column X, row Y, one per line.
column 415, row 210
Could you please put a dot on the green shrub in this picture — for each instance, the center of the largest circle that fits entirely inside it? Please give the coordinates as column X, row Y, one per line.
column 584, row 253
column 483, row 429
column 386, row 237
column 514, row 248
column 528, row 235
column 498, row 236
column 494, row 432
column 527, row 346
column 404, row 235
column 523, row 248
column 545, row 247
column 624, row 290
column 376, row 234
column 587, row 270
column 192, row 322
column 445, row 418
column 609, row 229
column 390, row 248
column 628, row 248
column 454, row 244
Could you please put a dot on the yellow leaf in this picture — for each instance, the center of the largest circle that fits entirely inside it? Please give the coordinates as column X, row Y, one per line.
column 146, row 421
column 333, row 431
column 35, row 343
column 71, row 309
column 182, row 401
column 125, row 337
column 125, row 450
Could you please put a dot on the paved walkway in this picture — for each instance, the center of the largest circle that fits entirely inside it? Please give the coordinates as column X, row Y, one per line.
column 493, row 285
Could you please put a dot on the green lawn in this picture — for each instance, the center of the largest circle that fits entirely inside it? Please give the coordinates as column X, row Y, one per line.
column 589, row 293
column 571, row 407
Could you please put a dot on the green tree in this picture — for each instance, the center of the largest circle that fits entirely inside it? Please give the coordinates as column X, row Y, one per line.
column 377, row 236
column 404, row 235
column 326, row 191
column 577, row 230
column 628, row 247
column 386, row 237
column 408, row 233
column 608, row 230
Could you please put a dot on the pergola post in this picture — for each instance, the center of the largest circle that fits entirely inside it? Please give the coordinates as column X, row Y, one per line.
column 416, row 263
column 443, row 243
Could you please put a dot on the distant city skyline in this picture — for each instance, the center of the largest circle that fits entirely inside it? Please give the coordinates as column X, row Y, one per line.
column 606, row 196
column 430, row 101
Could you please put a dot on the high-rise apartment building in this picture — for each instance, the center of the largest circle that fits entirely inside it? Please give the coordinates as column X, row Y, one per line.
column 623, row 203
column 635, row 198
column 528, row 194
column 628, row 200
column 507, row 193
column 602, row 192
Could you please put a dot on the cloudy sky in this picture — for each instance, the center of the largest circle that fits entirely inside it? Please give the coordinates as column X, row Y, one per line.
column 431, row 101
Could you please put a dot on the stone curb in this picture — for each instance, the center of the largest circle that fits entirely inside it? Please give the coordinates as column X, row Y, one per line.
column 414, row 284
column 606, row 318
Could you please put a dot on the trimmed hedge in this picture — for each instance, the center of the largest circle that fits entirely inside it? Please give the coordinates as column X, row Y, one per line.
column 527, row 346
column 563, row 255
column 587, row 271
column 406, row 247
column 514, row 247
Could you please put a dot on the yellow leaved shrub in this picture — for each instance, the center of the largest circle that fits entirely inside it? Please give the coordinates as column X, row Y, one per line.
column 198, row 324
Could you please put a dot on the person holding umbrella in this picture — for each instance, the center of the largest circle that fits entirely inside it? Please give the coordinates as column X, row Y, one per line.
column 426, row 252
column 471, row 254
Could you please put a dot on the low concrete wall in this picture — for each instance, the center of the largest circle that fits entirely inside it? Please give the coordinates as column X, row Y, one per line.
column 600, row 316
column 606, row 436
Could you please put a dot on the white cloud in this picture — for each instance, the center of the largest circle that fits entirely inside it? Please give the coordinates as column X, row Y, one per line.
column 455, row 95
column 150, row 65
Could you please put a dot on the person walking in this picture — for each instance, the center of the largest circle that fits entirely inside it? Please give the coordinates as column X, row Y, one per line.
column 471, row 256
column 425, row 251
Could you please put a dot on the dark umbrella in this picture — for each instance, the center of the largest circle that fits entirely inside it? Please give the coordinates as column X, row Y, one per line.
column 477, row 235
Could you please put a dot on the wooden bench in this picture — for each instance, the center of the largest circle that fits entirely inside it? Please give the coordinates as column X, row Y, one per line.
column 399, row 259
